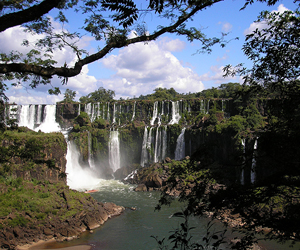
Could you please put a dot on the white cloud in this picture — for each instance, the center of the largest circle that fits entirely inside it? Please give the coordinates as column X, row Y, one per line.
column 263, row 24
column 140, row 68
column 216, row 75
column 226, row 27
column 83, row 84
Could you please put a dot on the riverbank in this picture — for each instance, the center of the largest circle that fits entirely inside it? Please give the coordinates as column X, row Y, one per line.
column 39, row 210
column 42, row 243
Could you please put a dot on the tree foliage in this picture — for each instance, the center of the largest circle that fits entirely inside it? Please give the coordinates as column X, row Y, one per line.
column 100, row 95
column 110, row 21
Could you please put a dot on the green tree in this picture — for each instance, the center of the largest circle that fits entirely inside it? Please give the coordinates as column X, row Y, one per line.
column 107, row 20
column 69, row 95
column 100, row 95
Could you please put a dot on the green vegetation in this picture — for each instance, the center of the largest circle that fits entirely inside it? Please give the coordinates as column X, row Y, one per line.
column 35, row 202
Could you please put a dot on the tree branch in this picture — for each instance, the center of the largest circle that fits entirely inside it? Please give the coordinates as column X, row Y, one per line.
column 27, row 15
column 48, row 72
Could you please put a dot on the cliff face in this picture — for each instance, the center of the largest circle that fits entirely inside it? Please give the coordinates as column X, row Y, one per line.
column 33, row 155
column 125, row 133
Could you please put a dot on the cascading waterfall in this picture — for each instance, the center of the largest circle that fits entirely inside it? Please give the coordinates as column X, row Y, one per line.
column 49, row 124
column 114, row 150
column 242, row 180
column 77, row 177
column 164, row 143
column 114, row 114
column 27, row 116
column 108, row 115
column 154, row 116
column 202, row 109
column 253, row 173
column 144, row 156
column 90, row 153
column 157, row 149
column 180, row 146
column 207, row 111
column 39, row 114
column 175, row 113
column 133, row 113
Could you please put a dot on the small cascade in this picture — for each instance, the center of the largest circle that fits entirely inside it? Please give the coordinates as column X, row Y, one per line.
column 90, row 153
column 114, row 150
column 207, row 111
column 49, row 124
column 133, row 113
column 154, row 116
column 77, row 177
column 27, row 116
column 175, row 113
column 98, row 110
column 202, row 109
column 157, row 149
column 180, row 146
column 114, row 114
column 164, row 143
column 253, row 173
column 108, row 115
column 144, row 156
column 242, row 180
column 79, row 107
column 39, row 114
column 103, row 111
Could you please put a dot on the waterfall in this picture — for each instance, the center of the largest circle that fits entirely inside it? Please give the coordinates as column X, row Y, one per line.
column 175, row 113
column 164, row 143
column 114, row 114
column 77, row 177
column 114, row 150
column 108, row 115
column 27, row 116
column 98, row 109
column 180, row 146
column 253, row 174
column 242, row 180
column 39, row 114
column 49, row 124
column 154, row 116
column 133, row 113
column 207, row 111
column 79, row 109
column 90, row 153
column 157, row 149
column 144, row 156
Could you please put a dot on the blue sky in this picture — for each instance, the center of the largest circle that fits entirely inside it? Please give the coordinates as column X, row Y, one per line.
column 138, row 69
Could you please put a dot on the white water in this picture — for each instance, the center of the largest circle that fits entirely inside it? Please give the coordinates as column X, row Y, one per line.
column 144, row 156
column 27, row 116
column 49, row 124
column 114, row 114
column 133, row 113
column 114, row 150
column 79, row 178
column 253, row 174
column 154, row 115
column 91, row 158
column 157, row 149
column 242, row 172
column 180, row 146
column 175, row 113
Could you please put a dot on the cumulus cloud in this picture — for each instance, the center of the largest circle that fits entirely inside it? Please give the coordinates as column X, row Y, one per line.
column 140, row 68
column 83, row 84
column 263, row 24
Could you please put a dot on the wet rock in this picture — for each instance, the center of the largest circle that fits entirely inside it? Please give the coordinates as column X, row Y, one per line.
column 141, row 188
